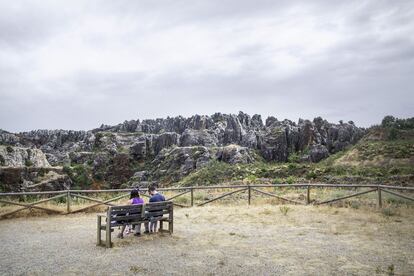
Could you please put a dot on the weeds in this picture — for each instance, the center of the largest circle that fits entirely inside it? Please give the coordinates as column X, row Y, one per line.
column 354, row 204
column 388, row 212
column 182, row 200
column 284, row 209
column 137, row 269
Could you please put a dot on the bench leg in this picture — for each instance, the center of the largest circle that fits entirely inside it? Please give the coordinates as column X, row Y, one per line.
column 161, row 226
column 99, row 241
column 108, row 233
column 171, row 221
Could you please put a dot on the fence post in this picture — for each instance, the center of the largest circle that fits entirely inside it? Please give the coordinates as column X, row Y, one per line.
column 307, row 195
column 192, row 196
column 379, row 198
column 249, row 193
column 68, row 202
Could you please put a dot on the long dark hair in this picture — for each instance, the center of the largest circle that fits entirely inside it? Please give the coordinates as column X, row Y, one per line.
column 134, row 193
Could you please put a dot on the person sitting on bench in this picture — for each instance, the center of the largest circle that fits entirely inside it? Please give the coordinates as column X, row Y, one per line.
column 155, row 197
column 135, row 199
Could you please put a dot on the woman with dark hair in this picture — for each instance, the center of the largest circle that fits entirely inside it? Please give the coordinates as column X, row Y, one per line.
column 135, row 199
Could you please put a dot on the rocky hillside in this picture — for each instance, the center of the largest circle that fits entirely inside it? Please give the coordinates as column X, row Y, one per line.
column 385, row 155
column 173, row 149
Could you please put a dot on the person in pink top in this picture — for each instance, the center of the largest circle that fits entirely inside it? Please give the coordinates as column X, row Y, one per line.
column 135, row 199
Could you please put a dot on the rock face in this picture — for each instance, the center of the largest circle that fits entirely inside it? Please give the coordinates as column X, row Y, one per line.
column 318, row 152
column 177, row 145
column 18, row 179
column 234, row 154
column 21, row 157
column 275, row 139
column 178, row 162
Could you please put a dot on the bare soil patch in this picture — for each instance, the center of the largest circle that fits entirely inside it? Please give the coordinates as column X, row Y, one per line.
column 216, row 240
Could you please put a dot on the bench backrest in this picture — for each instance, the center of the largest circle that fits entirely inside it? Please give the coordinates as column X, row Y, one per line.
column 125, row 214
column 158, row 209
column 119, row 215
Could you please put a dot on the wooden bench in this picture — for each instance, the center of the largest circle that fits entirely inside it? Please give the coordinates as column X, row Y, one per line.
column 134, row 215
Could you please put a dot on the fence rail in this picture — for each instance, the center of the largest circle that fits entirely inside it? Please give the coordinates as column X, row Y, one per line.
column 256, row 188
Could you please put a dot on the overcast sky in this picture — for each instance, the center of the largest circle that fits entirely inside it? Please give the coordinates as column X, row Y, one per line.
column 78, row 64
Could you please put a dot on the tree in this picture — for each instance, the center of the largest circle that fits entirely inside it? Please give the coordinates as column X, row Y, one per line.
column 388, row 121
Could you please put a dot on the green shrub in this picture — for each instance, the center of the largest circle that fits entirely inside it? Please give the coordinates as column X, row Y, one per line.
column 392, row 134
column 42, row 172
column 390, row 270
column 292, row 166
column 9, row 149
column 251, row 179
column 311, row 175
column 28, row 163
column 290, row 180
column 80, row 176
column 2, row 160
column 294, row 158
column 277, row 181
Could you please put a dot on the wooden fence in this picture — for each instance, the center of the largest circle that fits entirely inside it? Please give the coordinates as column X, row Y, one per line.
column 181, row 191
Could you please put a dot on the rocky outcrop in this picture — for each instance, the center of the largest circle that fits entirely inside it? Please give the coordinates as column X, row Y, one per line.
column 203, row 137
column 318, row 152
column 178, row 162
column 275, row 139
column 234, row 154
column 20, row 157
column 18, row 179
column 175, row 146
column 138, row 150
column 274, row 144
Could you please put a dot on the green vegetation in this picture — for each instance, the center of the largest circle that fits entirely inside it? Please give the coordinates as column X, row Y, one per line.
column 389, row 212
column 284, row 209
column 217, row 172
column 184, row 200
column 80, row 176
column 9, row 149
column 368, row 150
column 28, row 163
column 392, row 122
column 2, row 160
column 294, row 158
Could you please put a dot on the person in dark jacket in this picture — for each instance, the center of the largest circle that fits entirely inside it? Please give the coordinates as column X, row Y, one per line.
column 155, row 197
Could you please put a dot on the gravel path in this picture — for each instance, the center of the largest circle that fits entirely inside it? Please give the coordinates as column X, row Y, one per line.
column 212, row 240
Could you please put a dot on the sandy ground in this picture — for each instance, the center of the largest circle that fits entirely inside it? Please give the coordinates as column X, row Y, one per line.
column 218, row 240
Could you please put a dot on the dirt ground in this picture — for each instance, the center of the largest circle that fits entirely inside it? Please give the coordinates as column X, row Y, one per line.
column 219, row 240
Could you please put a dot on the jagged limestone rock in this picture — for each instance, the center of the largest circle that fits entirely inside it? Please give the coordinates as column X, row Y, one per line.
column 235, row 154
column 21, row 157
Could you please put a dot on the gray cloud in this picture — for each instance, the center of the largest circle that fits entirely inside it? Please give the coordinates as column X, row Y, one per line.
column 75, row 65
